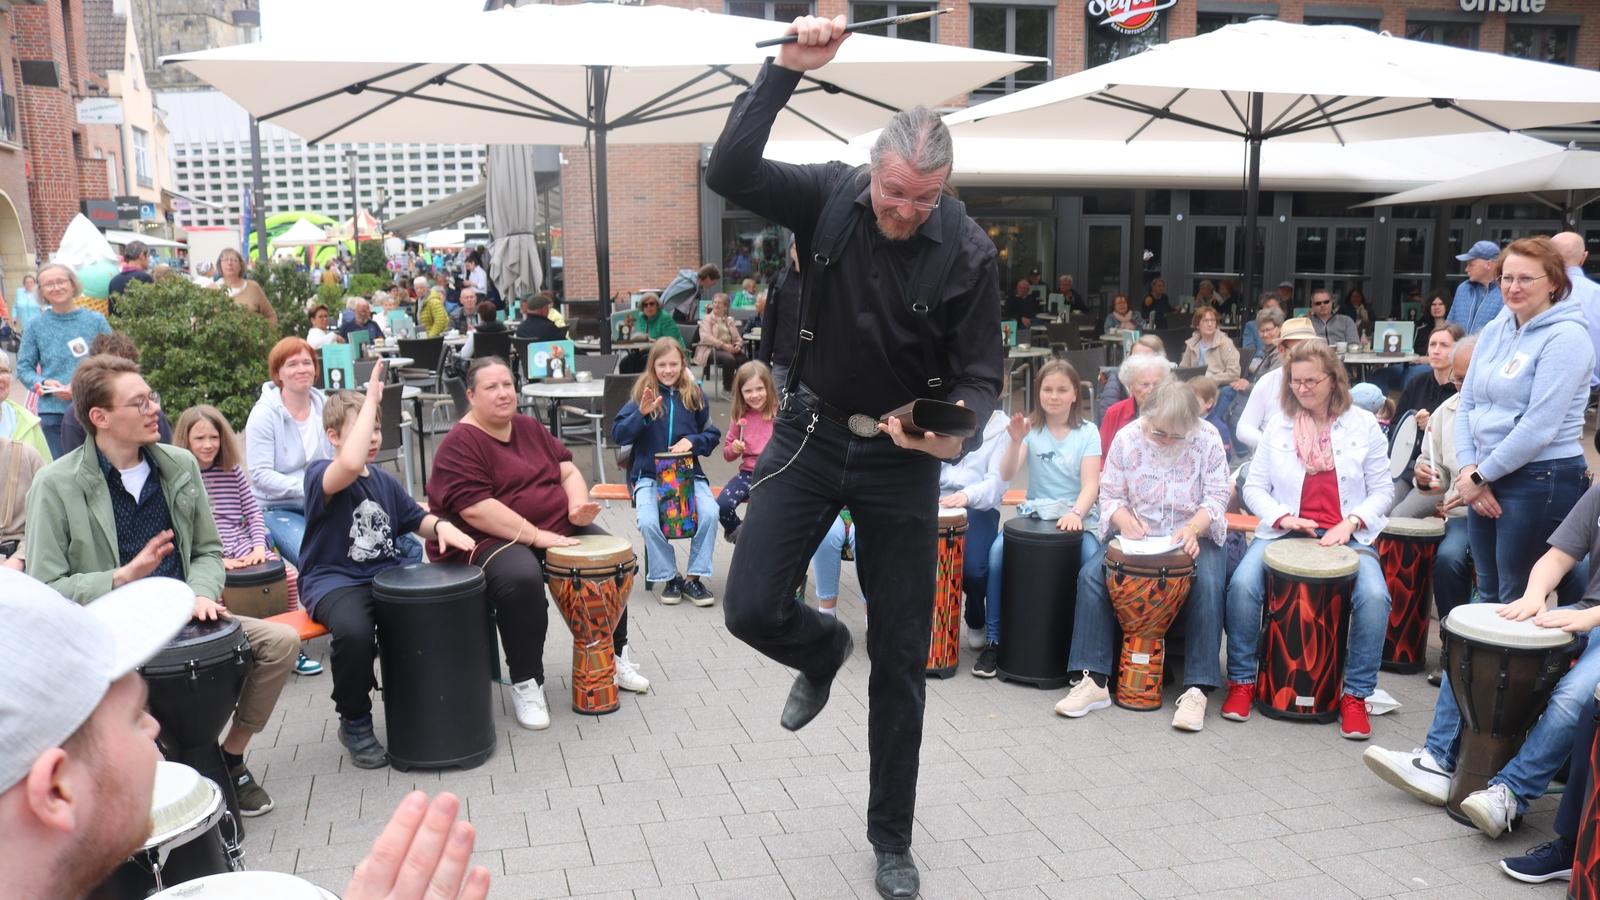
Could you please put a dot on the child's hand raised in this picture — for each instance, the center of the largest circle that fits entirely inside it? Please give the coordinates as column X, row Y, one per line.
column 1017, row 427
column 375, row 383
column 649, row 401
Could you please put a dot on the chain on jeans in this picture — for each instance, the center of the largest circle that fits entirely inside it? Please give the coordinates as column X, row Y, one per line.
column 809, row 429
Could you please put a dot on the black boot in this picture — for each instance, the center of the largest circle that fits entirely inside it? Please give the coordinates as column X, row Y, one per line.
column 897, row 875
column 809, row 695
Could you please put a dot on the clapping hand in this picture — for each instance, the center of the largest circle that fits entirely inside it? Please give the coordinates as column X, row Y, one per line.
column 582, row 514
column 649, row 401
column 422, row 853
column 1017, row 428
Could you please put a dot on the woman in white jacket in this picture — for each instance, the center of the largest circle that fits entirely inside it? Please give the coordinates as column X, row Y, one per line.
column 1322, row 470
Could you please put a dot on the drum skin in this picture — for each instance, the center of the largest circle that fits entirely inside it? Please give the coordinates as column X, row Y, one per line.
column 676, row 509
column 1039, row 579
column 1146, row 592
column 1586, row 856
column 1407, row 561
column 944, row 645
column 257, row 591
column 1304, row 633
column 590, row 589
column 199, row 849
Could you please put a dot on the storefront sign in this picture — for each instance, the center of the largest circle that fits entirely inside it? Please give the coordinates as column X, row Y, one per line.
column 1502, row 6
column 127, row 208
column 101, row 212
column 1138, row 16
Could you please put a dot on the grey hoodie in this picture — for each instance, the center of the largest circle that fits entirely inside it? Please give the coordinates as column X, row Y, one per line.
column 273, row 454
column 1525, row 392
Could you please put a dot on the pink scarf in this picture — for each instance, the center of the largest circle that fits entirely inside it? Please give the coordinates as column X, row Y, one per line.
column 1312, row 445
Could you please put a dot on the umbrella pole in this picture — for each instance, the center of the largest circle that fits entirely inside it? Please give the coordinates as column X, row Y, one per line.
column 258, row 209
column 1252, row 197
column 602, row 203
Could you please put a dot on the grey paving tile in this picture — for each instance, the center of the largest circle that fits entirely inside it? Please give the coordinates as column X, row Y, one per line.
column 741, row 858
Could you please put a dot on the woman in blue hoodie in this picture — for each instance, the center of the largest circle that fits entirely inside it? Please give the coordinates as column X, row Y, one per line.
column 1520, row 419
column 668, row 413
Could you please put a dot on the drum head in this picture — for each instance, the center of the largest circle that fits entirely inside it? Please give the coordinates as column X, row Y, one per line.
column 592, row 552
column 1307, row 559
column 1172, row 559
column 201, row 642
column 247, row 886
column 672, row 457
column 262, row 573
column 428, row 582
column 1400, row 526
column 1403, row 438
column 949, row 517
column 181, row 802
column 1481, row 622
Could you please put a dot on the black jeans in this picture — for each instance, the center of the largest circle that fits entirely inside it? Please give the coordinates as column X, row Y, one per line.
column 891, row 494
column 1569, row 815
column 347, row 614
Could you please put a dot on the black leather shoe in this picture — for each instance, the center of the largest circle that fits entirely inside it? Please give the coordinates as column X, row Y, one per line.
column 897, row 875
column 809, row 695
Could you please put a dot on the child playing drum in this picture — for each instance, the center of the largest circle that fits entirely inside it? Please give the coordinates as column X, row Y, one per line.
column 755, row 402
column 668, row 415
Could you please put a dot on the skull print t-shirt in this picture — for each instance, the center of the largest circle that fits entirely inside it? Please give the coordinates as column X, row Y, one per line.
column 353, row 535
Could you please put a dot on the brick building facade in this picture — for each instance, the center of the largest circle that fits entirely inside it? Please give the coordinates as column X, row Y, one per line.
column 53, row 74
column 16, row 212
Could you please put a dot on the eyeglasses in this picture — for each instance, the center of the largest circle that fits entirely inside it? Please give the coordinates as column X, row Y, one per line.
column 1167, row 435
column 1520, row 281
column 1322, row 303
column 144, row 404
column 902, row 201
column 649, row 306
column 1306, row 384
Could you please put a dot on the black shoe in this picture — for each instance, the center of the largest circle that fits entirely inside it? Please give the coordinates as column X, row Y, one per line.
column 365, row 750
column 731, row 536
column 897, row 875
column 808, row 696
column 253, row 800
column 672, row 590
column 697, row 592
column 1436, row 677
column 988, row 660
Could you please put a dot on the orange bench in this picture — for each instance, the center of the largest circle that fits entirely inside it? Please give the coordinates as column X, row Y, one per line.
column 300, row 622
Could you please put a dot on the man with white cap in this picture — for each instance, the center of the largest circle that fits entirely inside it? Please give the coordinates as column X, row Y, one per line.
column 1266, row 396
column 1478, row 298
column 78, row 754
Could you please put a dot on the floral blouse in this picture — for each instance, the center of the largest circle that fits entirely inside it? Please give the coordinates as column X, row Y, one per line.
column 1165, row 486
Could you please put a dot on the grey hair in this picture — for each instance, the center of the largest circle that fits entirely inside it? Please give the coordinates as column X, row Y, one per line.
column 77, row 286
column 918, row 136
column 1153, row 343
column 1275, row 316
column 1136, row 364
column 1465, row 345
column 1172, row 408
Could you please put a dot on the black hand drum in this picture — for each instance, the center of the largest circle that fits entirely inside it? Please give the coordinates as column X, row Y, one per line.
column 257, row 591
column 1039, row 584
column 432, row 621
column 188, row 838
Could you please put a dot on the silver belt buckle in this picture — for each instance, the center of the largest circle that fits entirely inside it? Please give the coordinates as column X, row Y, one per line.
column 863, row 426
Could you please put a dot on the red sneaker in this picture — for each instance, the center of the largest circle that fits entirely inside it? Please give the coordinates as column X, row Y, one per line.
column 1237, row 706
column 1353, row 722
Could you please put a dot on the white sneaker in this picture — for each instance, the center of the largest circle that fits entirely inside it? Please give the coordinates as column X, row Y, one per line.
column 977, row 638
column 1491, row 809
column 628, row 677
column 1191, row 714
column 1084, row 698
column 532, row 710
column 1416, row 773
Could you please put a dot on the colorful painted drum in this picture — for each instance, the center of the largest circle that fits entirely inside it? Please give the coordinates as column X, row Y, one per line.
column 1586, row 855
column 944, row 645
column 1146, row 592
column 1406, row 550
column 679, row 517
column 1502, row 674
column 1305, row 624
column 590, row 584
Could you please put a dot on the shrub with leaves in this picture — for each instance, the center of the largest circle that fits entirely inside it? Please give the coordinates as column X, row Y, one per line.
column 370, row 259
column 197, row 346
column 288, row 289
column 363, row 285
column 332, row 296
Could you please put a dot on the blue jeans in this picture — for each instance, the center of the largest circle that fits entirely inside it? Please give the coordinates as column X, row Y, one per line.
column 983, row 525
column 50, row 424
column 1094, row 628
column 287, row 526
column 827, row 561
column 1530, row 771
column 1369, row 618
column 661, row 565
column 1452, row 570
column 1089, row 551
column 1533, row 501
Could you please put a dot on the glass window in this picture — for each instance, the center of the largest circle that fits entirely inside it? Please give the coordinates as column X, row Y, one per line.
column 1356, row 21
column 141, row 156
column 1350, row 250
column 1411, row 249
column 1107, row 203
column 1105, row 44
column 1023, row 30
column 775, row 10
column 1545, row 43
column 911, row 31
column 1226, row 203
column 1450, row 34
column 1310, row 249
column 1210, row 248
column 1207, row 22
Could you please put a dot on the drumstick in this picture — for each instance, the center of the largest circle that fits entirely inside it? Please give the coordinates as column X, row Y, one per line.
column 858, row 26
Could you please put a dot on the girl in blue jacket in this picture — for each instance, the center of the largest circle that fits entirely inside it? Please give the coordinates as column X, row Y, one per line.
column 668, row 414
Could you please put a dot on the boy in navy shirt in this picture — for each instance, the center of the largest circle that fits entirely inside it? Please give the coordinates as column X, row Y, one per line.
column 355, row 517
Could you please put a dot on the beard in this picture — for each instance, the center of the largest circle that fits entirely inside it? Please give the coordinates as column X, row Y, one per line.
column 896, row 229
column 118, row 829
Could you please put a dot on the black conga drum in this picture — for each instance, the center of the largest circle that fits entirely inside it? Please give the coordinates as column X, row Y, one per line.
column 194, row 685
column 1586, row 853
column 1406, row 550
column 1039, row 587
column 258, row 591
column 432, row 621
column 1502, row 674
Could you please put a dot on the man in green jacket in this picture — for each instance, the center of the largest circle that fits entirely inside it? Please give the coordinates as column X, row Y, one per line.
column 124, row 507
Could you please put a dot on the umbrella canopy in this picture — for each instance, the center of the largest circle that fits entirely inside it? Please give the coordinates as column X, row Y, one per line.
column 1565, row 181
column 570, row 74
column 446, row 211
column 369, row 227
column 443, row 239
column 123, row 238
column 303, row 234
column 1277, row 81
column 513, row 215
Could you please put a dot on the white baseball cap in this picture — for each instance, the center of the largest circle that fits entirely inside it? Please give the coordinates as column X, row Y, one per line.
column 61, row 658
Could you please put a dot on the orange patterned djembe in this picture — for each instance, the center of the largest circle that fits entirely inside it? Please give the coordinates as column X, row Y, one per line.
column 944, row 644
column 1146, row 592
column 590, row 584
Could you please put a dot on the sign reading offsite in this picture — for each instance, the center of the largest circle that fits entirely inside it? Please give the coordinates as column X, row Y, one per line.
column 1139, row 16
column 1503, row 6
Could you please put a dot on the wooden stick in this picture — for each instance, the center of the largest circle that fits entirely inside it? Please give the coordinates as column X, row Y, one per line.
column 858, row 26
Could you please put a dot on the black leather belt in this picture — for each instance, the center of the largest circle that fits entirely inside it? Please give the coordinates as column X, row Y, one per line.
column 859, row 424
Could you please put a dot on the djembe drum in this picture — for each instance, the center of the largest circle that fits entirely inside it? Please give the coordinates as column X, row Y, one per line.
column 1586, row 853
column 1406, row 550
column 1146, row 591
column 257, row 591
column 1502, row 674
column 678, row 516
column 1304, row 629
column 191, row 834
column 590, row 583
column 247, row 886
column 944, row 645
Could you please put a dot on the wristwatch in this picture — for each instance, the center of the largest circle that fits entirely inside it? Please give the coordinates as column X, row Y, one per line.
column 1477, row 478
column 1354, row 520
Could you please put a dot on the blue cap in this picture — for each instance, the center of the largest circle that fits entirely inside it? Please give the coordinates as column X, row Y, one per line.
column 1481, row 250
column 1367, row 396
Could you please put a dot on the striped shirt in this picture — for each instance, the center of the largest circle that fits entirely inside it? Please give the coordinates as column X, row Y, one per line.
column 234, row 507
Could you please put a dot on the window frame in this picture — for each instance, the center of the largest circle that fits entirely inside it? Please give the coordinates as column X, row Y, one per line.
column 893, row 8
column 1010, row 8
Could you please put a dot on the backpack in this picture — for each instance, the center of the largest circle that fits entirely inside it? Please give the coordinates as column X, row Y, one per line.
column 685, row 288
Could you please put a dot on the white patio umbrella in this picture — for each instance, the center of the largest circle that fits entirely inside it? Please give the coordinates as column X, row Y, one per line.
column 513, row 215
column 303, row 234
column 570, row 74
column 1275, row 81
column 1566, row 181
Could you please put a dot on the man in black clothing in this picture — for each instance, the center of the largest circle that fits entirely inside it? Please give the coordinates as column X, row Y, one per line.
column 780, row 321
column 135, row 262
column 861, row 354
column 536, row 324
column 1022, row 305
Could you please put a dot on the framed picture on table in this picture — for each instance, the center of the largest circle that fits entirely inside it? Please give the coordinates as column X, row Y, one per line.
column 624, row 325
column 1008, row 332
column 551, row 360
column 338, row 367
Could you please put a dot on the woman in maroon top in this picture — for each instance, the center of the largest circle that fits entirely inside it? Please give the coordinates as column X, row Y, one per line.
column 511, row 486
